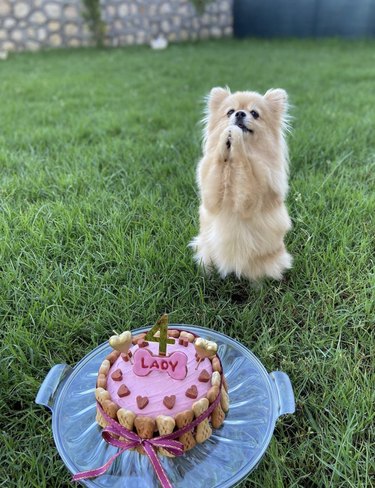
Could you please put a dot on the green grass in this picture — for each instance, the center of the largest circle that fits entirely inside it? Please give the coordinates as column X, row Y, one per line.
column 98, row 202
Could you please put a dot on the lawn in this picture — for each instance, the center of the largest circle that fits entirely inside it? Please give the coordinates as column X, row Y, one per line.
column 98, row 151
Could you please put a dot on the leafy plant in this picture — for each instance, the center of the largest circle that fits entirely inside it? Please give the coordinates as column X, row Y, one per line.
column 200, row 5
column 93, row 17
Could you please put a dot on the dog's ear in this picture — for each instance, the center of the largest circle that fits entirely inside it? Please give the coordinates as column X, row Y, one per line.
column 278, row 99
column 216, row 97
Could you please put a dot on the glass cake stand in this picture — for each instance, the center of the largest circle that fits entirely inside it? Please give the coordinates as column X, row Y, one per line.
column 257, row 399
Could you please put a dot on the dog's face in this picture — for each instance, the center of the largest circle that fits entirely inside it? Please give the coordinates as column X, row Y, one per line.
column 260, row 117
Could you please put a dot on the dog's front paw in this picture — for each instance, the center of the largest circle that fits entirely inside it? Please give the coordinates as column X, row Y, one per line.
column 236, row 134
column 228, row 142
column 225, row 144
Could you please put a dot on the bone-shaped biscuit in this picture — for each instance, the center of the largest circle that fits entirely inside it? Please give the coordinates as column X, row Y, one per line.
column 216, row 366
column 126, row 418
column 174, row 333
column 217, row 417
column 171, row 333
column 101, row 382
column 204, row 430
column 145, row 427
column 182, row 419
column 212, row 393
column 104, row 398
column 101, row 395
column 165, row 426
column 225, row 383
column 113, row 356
column 224, row 398
column 110, row 408
column 187, row 335
column 100, row 419
column 215, row 378
column 104, row 367
column 138, row 338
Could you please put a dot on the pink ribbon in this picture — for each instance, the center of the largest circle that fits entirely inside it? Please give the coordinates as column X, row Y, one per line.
column 114, row 429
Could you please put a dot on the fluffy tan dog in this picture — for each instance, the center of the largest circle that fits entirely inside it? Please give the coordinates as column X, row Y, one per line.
column 243, row 182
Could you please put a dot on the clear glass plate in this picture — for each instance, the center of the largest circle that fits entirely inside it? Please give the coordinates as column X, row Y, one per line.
column 257, row 399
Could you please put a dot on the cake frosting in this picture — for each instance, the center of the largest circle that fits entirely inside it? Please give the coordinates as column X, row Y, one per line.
column 157, row 384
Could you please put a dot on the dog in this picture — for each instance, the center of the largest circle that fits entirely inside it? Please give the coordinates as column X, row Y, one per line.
column 243, row 182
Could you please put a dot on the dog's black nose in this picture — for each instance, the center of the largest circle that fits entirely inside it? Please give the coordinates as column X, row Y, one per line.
column 240, row 114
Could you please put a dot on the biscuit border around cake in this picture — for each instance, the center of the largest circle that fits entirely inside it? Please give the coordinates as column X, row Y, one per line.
column 149, row 427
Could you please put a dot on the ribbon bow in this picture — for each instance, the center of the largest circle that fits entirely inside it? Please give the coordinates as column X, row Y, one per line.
column 133, row 440
column 111, row 432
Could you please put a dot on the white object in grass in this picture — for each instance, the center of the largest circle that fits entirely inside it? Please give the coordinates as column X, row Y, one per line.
column 159, row 43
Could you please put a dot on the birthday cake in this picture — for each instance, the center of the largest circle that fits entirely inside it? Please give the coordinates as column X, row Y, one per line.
column 161, row 381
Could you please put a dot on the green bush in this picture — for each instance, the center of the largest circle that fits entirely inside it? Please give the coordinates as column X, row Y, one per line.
column 93, row 17
column 200, row 5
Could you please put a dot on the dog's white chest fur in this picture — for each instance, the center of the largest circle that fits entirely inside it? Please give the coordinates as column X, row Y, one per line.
column 245, row 247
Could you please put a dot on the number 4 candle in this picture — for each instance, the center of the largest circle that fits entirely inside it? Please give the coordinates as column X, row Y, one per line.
column 161, row 326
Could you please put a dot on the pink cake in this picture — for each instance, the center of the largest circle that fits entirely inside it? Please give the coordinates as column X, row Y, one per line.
column 155, row 393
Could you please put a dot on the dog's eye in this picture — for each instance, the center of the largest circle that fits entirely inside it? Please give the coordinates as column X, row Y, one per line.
column 230, row 112
column 254, row 114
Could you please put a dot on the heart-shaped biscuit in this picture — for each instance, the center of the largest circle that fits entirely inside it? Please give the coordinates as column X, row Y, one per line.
column 204, row 376
column 192, row 392
column 123, row 391
column 142, row 402
column 121, row 342
column 117, row 375
column 205, row 348
column 169, row 401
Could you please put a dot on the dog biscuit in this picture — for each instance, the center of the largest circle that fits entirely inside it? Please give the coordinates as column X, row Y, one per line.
column 187, row 335
column 174, row 333
column 145, row 427
column 101, row 395
column 126, row 418
column 182, row 419
column 216, row 366
column 104, row 367
column 110, row 408
column 113, row 356
column 212, row 393
column 101, row 382
column 138, row 337
column 165, row 426
column 217, row 417
column 224, row 400
column 204, row 430
column 225, row 383
column 100, row 419
column 215, row 378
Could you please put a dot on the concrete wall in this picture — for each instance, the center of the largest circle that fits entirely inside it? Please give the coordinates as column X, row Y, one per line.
column 35, row 24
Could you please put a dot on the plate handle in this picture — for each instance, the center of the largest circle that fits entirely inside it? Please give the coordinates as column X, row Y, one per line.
column 47, row 392
column 284, row 392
